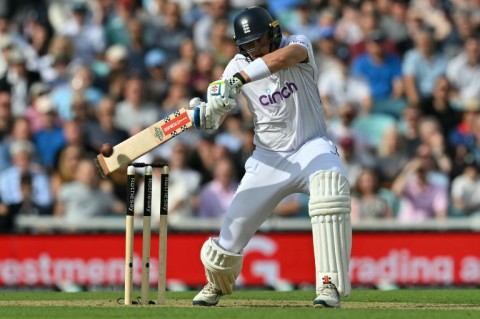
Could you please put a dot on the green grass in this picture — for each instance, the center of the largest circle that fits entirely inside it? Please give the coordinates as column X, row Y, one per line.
column 362, row 304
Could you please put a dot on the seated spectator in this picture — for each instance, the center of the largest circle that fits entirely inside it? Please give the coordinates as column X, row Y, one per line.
column 215, row 196
column 27, row 206
column 82, row 198
column 325, row 57
column 134, row 112
column 440, row 107
column 88, row 37
column 54, row 65
column 422, row 66
column 81, row 84
column 462, row 133
column 22, row 154
column 231, row 134
column 50, row 139
column 465, row 192
column 172, row 32
column 19, row 79
column 394, row 24
column 184, row 185
column 367, row 203
column 381, row 70
column 102, row 129
column 391, row 157
column 420, row 198
column 338, row 88
column 369, row 22
column 350, row 159
column 432, row 136
column 156, row 68
column 463, row 71
column 65, row 166
column 293, row 206
column 409, row 129
column 37, row 91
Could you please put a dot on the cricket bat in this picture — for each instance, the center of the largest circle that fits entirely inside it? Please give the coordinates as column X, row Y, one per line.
column 141, row 143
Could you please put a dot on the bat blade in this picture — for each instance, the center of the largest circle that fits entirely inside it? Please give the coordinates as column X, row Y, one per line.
column 143, row 142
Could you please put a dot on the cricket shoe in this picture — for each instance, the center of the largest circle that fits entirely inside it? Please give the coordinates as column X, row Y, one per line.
column 327, row 297
column 209, row 296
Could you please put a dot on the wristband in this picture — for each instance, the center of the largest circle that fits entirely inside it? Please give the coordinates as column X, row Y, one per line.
column 239, row 76
column 257, row 70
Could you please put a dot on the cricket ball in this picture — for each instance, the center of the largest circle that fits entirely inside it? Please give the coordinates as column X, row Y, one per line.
column 107, row 150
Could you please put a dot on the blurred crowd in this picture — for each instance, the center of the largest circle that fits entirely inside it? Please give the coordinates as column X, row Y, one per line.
column 399, row 81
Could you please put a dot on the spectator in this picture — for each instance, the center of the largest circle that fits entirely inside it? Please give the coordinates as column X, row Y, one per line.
column 170, row 35
column 188, row 52
column 464, row 27
column 350, row 160
column 116, row 22
column 422, row 66
column 367, row 203
column 232, row 134
column 27, row 206
column 465, row 192
column 215, row 197
column 431, row 135
column 134, row 113
column 215, row 10
column 474, row 147
column 22, row 154
column 293, row 206
column 80, row 200
column 65, row 167
column 420, row 199
column 202, row 73
column 343, row 128
column 137, row 46
column 241, row 156
column 81, row 83
column 462, row 134
column 464, row 70
column 439, row 106
column 391, row 157
column 156, row 81
column 223, row 48
column 55, row 64
column 325, row 57
column 6, row 123
column 409, row 129
column 184, row 185
column 394, row 24
column 338, row 88
column 102, row 129
column 348, row 28
column 382, row 71
column 369, row 24
column 19, row 79
column 432, row 16
column 37, row 90
column 88, row 38
column 50, row 139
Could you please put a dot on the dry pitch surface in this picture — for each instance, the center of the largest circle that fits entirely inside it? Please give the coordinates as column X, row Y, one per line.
column 181, row 303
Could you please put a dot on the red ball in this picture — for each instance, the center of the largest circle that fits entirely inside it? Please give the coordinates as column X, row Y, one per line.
column 107, row 150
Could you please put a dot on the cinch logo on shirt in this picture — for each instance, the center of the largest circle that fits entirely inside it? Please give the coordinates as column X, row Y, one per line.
column 275, row 98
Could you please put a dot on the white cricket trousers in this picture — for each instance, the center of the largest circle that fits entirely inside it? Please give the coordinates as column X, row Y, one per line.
column 270, row 177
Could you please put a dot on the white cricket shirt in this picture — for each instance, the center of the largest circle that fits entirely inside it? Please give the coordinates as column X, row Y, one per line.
column 286, row 106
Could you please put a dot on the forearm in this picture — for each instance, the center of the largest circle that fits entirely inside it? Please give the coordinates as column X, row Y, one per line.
column 270, row 63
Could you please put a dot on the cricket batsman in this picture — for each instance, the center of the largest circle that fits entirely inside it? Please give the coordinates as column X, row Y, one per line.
column 278, row 77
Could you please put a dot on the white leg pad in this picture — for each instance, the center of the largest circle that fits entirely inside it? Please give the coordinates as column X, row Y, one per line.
column 329, row 209
column 221, row 267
